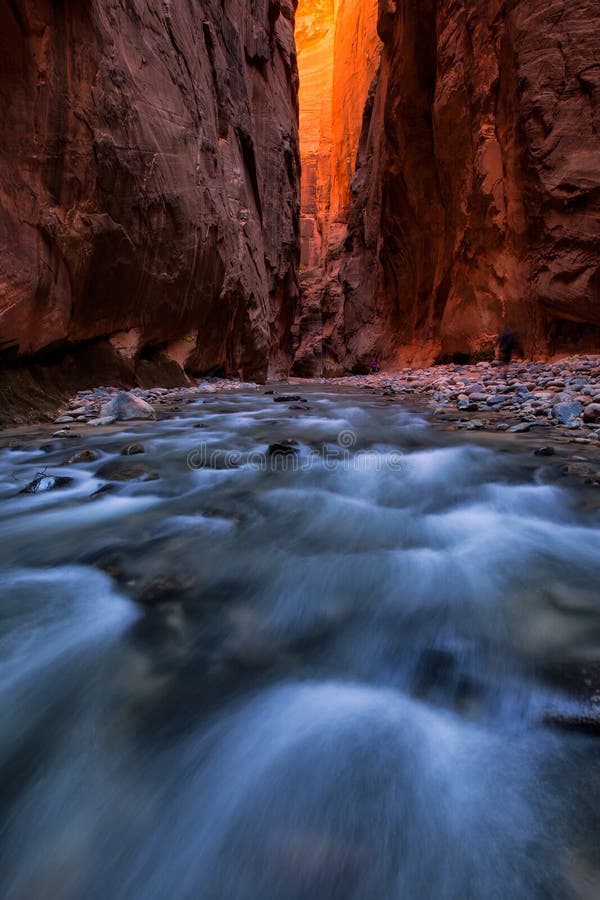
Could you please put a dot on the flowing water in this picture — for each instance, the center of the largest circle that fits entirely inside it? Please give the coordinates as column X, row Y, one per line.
column 319, row 674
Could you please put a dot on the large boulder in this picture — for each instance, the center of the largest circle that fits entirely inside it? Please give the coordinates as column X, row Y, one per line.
column 127, row 406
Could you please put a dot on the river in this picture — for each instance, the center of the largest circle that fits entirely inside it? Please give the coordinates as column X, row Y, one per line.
column 328, row 671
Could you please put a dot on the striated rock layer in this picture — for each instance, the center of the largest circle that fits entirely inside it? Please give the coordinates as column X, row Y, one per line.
column 338, row 56
column 476, row 195
column 149, row 181
column 314, row 34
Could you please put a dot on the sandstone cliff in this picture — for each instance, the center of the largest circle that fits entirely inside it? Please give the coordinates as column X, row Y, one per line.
column 149, row 179
column 476, row 195
column 338, row 56
column 315, row 30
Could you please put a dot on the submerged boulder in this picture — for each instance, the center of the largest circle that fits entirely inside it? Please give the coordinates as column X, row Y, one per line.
column 83, row 456
column 117, row 470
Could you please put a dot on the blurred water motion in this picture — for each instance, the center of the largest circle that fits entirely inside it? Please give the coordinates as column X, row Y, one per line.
column 277, row 681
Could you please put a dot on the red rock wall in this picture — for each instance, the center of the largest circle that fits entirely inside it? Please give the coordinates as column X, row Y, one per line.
column 338, row 56
column 149, row 178
column 476, row 199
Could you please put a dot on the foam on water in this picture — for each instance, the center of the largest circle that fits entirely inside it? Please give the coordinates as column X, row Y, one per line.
column 336, row 687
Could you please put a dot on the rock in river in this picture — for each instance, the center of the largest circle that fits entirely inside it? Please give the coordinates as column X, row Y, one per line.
column 132, row 450
column 566, row 411
column 83, row 456
column 117, row 471
column 127, row 406
column 42, row 483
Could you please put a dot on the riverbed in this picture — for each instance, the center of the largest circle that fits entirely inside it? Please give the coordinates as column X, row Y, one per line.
column 300, row 650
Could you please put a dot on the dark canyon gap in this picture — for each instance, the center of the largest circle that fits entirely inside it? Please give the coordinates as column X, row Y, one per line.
column 149, row 182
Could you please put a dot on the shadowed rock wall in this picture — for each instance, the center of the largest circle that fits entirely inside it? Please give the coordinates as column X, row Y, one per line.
column 149, row 180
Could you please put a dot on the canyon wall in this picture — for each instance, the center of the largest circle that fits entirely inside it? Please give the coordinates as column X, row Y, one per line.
column 149, row 182
column 314, row 34
column 476, row 192
column 338, row 57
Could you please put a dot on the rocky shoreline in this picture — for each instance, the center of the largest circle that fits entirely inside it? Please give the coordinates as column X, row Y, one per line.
column 565, row 393
column 104, row 406
column 561, row 398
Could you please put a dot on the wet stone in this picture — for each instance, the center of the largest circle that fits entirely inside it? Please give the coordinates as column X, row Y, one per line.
column 283, row 448
column 102, row 490
column 41, row 483
column 116, row 471
column 132, row 450
column 565, row 412
column 83, row 456
column 591, row 413
column 165, row 588
column 126, row 406
column 102, row 420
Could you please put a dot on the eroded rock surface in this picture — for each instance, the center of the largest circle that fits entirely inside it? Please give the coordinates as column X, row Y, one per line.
column 476, row 195
column 338, row 58
column 149, row 181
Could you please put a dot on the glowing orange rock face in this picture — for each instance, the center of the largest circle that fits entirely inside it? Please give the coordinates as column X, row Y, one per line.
column 357, row 53
column 338, row 55
column 315, row 30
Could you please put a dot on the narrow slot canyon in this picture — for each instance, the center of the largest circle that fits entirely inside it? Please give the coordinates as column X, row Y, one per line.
column 155, row 226
column 300, row 449
column 338, row 59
